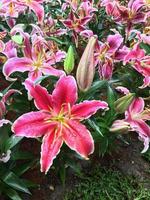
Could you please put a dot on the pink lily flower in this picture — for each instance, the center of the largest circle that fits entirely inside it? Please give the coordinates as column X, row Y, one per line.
column 10, row 8
column 136, row 116
column 107, row 53
column 130, row 15
column 72, row 3
column 58, row 120
column 50, row 28
column 87, row 8
column 76, row 25
column 35, row 6
column 140, row 63
column 36, row 60
column 3, row 107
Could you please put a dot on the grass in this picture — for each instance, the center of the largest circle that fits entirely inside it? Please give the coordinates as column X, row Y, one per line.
column 102, row 184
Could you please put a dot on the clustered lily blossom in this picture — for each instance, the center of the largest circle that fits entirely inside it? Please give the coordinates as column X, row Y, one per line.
column 34, row 40
column 135, row 118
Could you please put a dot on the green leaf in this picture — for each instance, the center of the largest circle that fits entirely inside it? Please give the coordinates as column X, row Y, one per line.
column 94, row 126
column 17, row 39
column 76, row 167
column 146, row 47
column 62, row 173
column 39, row 80
column 15, row 182
column 111, row 97
column 12, row 194
column 12, row 141
column 19, row 170
column 22, row 155
column 9, row 87
column 57, row 40
column 97, row 85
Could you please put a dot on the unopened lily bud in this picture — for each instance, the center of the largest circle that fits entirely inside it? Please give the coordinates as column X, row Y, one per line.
column 120, row 126
column 69, row 61
column 122, row 104
column 86, row 68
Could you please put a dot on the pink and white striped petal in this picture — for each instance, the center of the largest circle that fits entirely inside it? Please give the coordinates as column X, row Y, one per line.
column 50, row 148
column 16, row 65
column 42, row 99
column 49, row 70
column 137, row 106
column 32, row 125
column 86, row 109
column 65, row 92
column 78, row 138
column 38, row 10
column 4, row 121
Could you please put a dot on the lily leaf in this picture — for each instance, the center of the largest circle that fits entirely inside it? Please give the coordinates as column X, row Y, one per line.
column 15, row 182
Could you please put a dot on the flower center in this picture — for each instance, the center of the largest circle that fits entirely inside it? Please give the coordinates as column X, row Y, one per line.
column 28, row 1
column 131, row 14
column 148, row 2
column 62, row 116
column 11, row 8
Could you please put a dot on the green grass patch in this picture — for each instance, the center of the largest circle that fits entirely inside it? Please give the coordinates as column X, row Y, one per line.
column 103, row 184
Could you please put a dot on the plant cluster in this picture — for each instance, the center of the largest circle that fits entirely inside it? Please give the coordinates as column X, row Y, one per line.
column 76, row 74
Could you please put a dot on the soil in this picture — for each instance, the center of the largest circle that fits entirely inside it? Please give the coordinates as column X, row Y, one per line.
column 127, row 159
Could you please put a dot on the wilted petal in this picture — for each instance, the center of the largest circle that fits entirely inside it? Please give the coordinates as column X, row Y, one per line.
column 9, row 93
column 87, row 108
column 16, row 65
column 4, row 121
column 32, row 124
column 42, row 99
column 78, row 138
column 50, row 148
column 146, row 141
column 65, row 92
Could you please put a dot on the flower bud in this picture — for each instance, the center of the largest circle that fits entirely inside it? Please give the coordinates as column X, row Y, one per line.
column 120, row 126
column 86, row 68
column 122, row 104
column 69, row 61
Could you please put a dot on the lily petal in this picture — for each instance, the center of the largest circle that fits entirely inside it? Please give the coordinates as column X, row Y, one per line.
column 38, row 9
column 137, row 105
column 49, row 70
column 87, row 108
column 49, row 150
column 16, row 65
column 32, row 125
column 141, row 127
column 42, row 99
column 78, row 138
column 114, row 42
column 65, row 92
column 4, row 121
